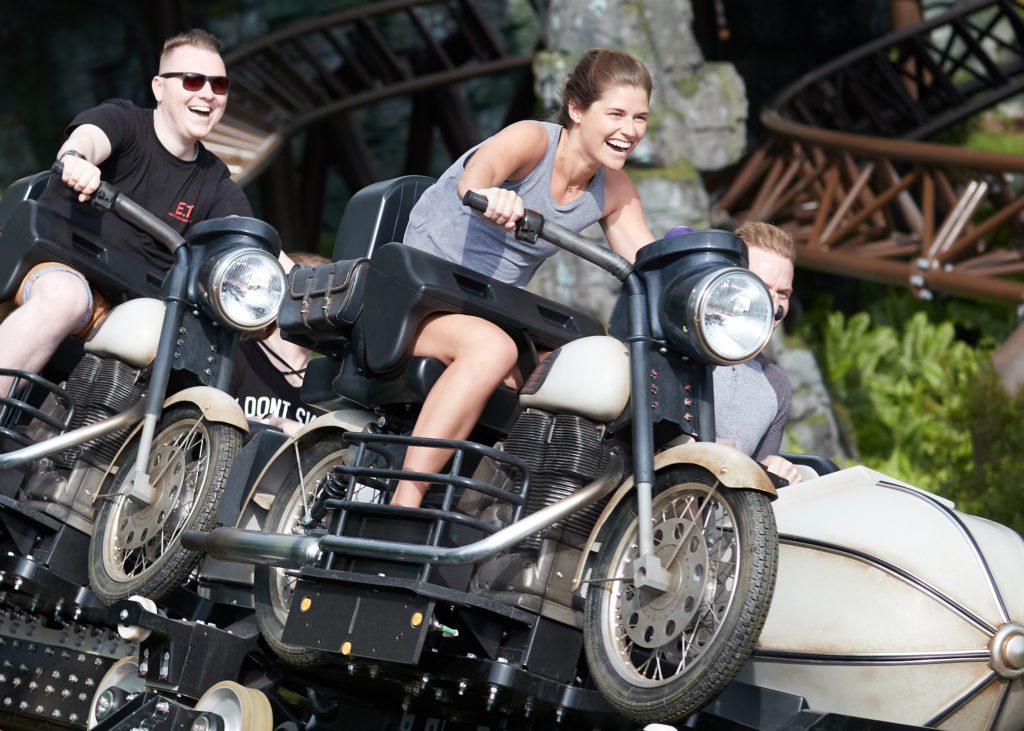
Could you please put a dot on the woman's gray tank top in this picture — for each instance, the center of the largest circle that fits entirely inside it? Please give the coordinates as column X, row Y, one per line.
column 441, row 225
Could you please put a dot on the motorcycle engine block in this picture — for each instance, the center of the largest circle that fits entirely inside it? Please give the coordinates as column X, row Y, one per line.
column 564, row 453
column 100, row 388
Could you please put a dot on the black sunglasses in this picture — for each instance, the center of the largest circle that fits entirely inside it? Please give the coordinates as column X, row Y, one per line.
column 194, row 82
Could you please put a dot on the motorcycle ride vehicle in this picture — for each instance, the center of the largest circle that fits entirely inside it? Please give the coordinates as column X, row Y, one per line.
column 106, row 468
column 589, row 532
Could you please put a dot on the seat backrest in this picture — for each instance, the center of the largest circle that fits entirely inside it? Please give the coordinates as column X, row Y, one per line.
column 377, row 215
column 27, row 188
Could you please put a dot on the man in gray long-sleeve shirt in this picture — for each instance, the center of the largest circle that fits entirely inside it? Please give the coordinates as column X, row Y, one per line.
column 752, row 400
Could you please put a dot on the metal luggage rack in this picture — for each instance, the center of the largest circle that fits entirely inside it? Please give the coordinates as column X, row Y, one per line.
column 16, row 411
column 342, row 485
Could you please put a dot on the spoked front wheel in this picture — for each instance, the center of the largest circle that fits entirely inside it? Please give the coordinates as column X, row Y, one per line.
column 136, row 546
column 658, row 656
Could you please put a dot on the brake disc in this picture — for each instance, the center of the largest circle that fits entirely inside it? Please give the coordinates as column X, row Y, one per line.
column 652, row 618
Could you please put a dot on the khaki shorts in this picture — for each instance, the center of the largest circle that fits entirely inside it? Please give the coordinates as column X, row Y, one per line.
column 98, row 305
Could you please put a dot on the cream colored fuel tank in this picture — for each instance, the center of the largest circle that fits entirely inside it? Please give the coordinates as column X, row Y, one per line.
column 892, row 605
column 587, row 377
column 130, row 332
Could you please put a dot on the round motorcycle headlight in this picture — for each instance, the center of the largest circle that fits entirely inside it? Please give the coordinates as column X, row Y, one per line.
column 732, row 315
column 245, row 288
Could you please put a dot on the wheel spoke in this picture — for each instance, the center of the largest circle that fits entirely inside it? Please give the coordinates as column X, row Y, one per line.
column 693, row 521
column 302, row 481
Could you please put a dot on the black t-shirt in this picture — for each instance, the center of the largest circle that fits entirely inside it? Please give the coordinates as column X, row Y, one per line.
column 261, row 389
column 178, row 192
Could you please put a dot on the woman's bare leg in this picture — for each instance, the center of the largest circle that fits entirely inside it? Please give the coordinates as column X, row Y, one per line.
column 479, row 357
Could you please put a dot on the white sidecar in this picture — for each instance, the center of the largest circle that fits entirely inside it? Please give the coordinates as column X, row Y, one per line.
column 892, row 605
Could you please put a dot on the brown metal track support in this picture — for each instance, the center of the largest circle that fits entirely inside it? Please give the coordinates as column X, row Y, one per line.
column 935, row 218
column 312, row 75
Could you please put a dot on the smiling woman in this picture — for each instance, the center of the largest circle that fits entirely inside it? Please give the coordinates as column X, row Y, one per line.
column 571, row 172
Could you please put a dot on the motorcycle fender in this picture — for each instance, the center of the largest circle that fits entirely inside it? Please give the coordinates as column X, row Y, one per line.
column 272, row 475
column 216, row 405
column 733, row 469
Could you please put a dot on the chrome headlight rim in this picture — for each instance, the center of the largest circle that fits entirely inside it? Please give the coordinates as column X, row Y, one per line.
column 703, row 292
column 213, row 284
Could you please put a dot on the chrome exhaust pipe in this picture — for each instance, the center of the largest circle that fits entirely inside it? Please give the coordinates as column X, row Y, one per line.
column 252, row 546
column 246, row 546
column 73, row 438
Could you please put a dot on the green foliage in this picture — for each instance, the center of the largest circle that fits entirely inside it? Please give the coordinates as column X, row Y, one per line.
column 900, row 390
column 919, row 400
column 1005, row 142
column 990, row 484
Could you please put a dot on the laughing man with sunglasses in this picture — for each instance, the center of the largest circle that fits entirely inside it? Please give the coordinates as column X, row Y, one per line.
column 156, row 157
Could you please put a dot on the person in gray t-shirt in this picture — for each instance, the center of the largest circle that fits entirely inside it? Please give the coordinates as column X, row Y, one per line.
column 752, row 399
column 570, row 171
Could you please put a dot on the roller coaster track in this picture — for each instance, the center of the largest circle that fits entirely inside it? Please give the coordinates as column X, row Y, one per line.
column 320, row 69
column 847, row 171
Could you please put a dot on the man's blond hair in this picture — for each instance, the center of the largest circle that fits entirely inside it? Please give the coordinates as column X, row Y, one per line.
column 195, row 38
column 761, row 235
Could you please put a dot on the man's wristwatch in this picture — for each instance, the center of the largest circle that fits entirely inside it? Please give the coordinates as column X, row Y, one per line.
column 73, row 153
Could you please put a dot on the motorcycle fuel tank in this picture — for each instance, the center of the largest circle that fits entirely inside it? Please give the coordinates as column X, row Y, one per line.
column 130, row 333
column 588, row 377
column 892, row 605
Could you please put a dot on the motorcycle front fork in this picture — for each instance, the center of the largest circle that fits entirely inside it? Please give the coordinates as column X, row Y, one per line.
column 648, row 570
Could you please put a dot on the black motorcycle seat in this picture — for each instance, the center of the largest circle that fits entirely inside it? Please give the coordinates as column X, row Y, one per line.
column 34, row 234
column 333, row 384
column 406, row 285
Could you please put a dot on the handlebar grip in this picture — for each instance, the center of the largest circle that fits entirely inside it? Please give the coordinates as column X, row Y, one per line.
column 475, row 201
column 104, row 196
column 107, row 197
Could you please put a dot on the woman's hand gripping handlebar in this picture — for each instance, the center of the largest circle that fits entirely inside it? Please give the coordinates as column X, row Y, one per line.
column 107, row 197
column 533, row 226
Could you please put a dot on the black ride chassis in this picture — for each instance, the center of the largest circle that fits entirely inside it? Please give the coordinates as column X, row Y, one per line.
column 440, row 692
column 57, row 641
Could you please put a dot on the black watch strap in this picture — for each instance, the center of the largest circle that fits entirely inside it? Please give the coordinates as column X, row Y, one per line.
column 73, row 153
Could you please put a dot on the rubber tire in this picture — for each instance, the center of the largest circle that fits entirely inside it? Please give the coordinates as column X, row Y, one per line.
column 173, row 566
column 264, row 585
column 730, row 646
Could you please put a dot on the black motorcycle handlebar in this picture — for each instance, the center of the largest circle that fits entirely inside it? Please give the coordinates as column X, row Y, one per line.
column 532, row 225
column 107, row 197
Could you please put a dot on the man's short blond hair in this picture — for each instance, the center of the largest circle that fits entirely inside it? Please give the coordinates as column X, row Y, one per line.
column 761, row 235
column 195, row 38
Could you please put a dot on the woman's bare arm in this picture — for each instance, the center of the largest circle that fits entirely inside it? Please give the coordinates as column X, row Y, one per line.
column 509, row 155
column 623, row 223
